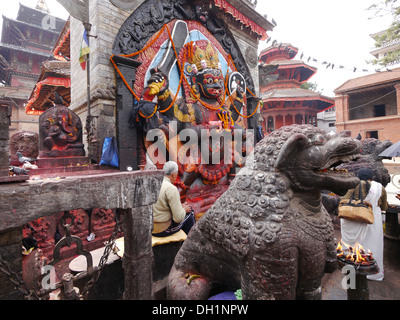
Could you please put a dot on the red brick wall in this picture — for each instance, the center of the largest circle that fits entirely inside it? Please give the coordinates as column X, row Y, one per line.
column 388, row 127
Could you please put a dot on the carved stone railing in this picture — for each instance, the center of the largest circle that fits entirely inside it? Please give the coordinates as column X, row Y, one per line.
column 132, row 192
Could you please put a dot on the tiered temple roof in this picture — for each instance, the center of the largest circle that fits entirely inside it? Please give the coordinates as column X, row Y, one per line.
column 285, row 102
column 55, row 76
column 26, row 43
column 33, row 34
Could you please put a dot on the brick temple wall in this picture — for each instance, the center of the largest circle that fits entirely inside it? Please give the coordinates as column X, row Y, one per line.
column 106, row 20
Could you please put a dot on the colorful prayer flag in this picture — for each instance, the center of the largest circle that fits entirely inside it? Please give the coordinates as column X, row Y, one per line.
column 85, row 50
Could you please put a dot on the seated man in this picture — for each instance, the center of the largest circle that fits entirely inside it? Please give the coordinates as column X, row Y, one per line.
column 169, row 215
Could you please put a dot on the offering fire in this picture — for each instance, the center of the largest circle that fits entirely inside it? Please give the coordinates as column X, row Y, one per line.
column 363, row 263
column 356, row 255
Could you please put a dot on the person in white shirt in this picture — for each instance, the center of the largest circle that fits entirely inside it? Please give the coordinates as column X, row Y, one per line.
column 169, row 214
column 370, row 236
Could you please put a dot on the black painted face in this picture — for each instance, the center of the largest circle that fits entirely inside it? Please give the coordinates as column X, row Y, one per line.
column 211, row 83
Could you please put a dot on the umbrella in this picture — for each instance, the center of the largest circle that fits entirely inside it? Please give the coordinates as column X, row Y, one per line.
column 392, row 151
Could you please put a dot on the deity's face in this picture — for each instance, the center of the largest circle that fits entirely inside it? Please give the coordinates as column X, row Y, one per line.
column 211, row 83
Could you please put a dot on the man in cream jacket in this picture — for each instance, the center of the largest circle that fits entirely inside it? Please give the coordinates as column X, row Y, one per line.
column 169, row 215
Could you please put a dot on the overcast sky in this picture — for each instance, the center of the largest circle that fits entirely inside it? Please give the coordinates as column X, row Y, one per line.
column 9, row 8
column 337, row 32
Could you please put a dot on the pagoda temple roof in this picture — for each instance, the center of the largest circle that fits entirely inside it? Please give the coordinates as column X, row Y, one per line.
column 298, row 94
column 5, row 69
column 61, row 49
column 54, row 77
column 282, row 51
column 35, row 17
column 4, row 46
column 306, row 71
column 8, row 21
column 245, row 13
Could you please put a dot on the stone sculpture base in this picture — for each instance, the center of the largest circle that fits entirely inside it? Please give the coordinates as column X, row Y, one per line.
column 62, row 162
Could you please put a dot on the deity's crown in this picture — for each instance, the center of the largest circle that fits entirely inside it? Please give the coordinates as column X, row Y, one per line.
column 203, row 58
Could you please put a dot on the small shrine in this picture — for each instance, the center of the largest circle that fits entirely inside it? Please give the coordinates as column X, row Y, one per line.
column 285, row 102
column 60, row 129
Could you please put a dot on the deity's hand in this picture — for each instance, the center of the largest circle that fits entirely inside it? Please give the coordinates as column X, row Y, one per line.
column 158, row 83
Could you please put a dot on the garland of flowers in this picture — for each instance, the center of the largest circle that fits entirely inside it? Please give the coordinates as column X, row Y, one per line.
column 123, row 79
column 215, row 175
column 166, row 109
column 148, row 117
column 131, row 90
column 132, row 55
column 248, row 90
column 209, row 176
column 222, row 112
column 230, row 97
column 176, row 95
column 247, row 117
column 225, row 117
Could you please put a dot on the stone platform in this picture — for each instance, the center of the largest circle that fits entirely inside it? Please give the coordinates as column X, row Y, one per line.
column 62, row 162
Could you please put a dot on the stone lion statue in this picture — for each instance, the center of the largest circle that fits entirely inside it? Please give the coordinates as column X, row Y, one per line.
column 269, row 233
column 371, row 148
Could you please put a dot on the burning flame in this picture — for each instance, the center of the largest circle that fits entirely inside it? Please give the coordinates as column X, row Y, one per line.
column 359, row 251
column 339, row 249
column 356, row 254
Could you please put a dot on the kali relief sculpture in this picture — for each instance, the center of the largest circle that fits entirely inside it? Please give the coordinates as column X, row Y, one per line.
column 269, row 234
column 196, row 100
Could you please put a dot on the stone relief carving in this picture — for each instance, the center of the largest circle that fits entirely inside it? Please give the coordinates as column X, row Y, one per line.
column 150, row 17
column 60, row 133
column 25, row 142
